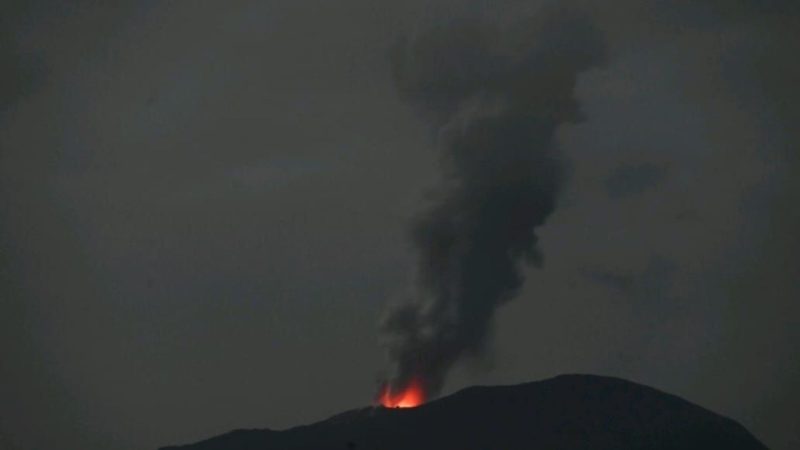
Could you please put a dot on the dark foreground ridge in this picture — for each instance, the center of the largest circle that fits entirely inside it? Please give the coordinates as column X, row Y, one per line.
column 569, row 412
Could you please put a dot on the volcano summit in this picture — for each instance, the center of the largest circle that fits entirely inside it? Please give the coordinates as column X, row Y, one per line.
column 568, row 412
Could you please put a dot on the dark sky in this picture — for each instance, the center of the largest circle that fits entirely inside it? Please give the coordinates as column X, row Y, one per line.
column 204, row 212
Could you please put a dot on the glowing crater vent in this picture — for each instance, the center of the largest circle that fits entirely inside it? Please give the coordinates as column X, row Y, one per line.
column 410, row 396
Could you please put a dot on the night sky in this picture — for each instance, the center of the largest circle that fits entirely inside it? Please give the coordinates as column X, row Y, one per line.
column 207, row 209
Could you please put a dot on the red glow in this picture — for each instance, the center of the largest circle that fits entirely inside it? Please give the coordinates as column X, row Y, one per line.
column 409, row 397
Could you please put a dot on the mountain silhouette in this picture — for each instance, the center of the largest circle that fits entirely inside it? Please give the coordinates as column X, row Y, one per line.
column 568, row 412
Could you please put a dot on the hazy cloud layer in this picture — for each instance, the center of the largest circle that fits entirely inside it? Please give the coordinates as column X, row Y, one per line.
column 204, row 210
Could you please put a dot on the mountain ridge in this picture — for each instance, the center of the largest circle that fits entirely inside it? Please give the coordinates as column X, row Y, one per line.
column 569, row 412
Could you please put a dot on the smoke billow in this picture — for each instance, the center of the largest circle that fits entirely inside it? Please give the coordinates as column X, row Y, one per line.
column 496, row 98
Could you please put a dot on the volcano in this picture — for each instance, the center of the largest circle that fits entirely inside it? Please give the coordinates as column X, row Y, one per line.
column 568, row 412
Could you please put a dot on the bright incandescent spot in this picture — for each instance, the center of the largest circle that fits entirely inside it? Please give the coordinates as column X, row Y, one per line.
column 408, row 397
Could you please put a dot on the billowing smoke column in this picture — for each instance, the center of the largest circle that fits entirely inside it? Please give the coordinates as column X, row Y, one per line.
column 496, row 98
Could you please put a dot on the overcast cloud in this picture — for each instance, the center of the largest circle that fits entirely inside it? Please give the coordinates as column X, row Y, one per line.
column 204, row 209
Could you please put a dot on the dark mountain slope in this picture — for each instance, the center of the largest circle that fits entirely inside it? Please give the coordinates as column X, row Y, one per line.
column 568, row 412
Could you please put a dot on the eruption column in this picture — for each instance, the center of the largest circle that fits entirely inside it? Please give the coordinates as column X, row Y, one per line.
column 496, row 99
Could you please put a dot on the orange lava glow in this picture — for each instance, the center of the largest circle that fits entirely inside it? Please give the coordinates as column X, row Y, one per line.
column 409, row 397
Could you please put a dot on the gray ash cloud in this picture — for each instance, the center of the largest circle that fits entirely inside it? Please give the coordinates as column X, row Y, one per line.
column 495, row 97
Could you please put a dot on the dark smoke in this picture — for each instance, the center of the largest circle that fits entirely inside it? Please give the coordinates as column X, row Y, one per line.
column 496, row 99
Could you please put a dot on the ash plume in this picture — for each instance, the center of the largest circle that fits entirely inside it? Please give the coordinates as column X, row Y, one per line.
column 495, row 98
